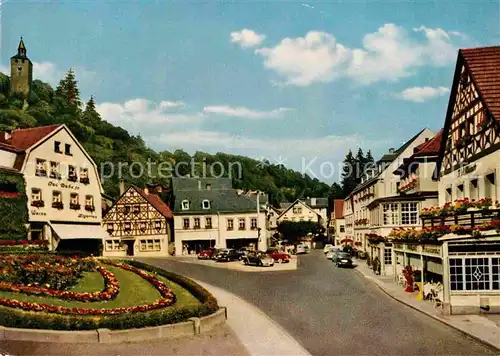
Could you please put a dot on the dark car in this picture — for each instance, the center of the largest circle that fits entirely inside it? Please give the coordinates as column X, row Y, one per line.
column 342, row 259
column 258, row 259
column 227, row 255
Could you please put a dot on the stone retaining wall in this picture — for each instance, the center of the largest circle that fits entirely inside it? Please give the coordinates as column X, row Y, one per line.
column 191, row 327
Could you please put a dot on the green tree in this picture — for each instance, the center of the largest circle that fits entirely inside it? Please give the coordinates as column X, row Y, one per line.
column 348, row 174
column 294, row 230
column 67, row 95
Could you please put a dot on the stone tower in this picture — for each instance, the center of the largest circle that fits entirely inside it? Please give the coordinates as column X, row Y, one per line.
column 21, row 71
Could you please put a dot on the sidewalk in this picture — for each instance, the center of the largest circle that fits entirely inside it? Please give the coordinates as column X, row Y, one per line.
column 482, row 328
column 238, row 265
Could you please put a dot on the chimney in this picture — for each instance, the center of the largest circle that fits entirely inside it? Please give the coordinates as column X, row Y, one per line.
column 146, row 191
column 391, row 150
column 427, row 139
column 7, row 136
column 199, row 185
column 313, row 201
column 122, row 186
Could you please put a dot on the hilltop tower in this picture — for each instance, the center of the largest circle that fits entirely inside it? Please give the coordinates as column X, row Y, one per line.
column 21, row 71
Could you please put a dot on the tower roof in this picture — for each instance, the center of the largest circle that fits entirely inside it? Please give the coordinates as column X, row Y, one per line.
column 21, row 50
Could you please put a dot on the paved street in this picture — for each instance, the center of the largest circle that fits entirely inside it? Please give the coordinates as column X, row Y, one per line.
column 334, row 311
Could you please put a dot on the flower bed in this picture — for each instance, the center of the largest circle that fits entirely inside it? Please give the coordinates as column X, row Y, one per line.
column 110, row 291
column 168, row 309
column 56, row 273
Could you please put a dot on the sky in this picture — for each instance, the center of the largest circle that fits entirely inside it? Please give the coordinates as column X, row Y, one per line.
column 296, row 83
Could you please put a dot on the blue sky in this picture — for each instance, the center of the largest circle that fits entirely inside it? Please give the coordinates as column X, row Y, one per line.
column 291, row 81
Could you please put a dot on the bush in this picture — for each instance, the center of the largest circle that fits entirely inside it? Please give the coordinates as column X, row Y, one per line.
column 17, row 318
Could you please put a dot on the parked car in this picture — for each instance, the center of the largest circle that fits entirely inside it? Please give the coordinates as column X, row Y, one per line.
column 216, row 252
column 343, row 259
column 258, row 259
column 327, row 248
column 242, row 252
column 332, row 252
column 301, row 249
column 278, row 256
column 206, row 254
column 227, row 255
column 307, row 248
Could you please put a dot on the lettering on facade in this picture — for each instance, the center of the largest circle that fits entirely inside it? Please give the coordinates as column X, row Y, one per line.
column 466, row 170
column 435, row 250
column 39, row 213
column 64, row 185
column 87, row 216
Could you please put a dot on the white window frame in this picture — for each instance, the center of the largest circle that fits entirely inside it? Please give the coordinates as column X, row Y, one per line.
column 409, row 216
column 205, row 204
column 460, row 269
column 149, row 245
column 390, row 213
column 185, row 205
column 388, row 256
column 56, row 196
column 114, row 245
column 36, row 194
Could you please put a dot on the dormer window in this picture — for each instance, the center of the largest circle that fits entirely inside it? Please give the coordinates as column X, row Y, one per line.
column 206, row 204
column 185, row 205
column 208, row 187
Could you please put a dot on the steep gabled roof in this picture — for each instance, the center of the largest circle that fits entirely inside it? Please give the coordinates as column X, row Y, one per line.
column 298, row 201
column 483, row 65
column 431, row 147
column 156, row 202
column 320, row 202
column 221, row 201
column 190, row 183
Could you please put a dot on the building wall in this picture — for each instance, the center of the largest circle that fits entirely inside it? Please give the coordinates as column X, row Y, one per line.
column 479, row 170
column 141, row 249
column 300, row 212
column 48, row 185
column 21, row 71
column 339, row 234
column 219, row 231
column 7, row 158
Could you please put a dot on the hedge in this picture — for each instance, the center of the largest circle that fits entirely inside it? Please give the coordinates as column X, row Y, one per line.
column 17, row 318
column 13, row 209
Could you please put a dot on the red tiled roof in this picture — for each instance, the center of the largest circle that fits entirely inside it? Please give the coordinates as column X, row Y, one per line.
column 484, row 65
column 338, row 208
column 430, row 147
column 155, row 201
column 25, row 138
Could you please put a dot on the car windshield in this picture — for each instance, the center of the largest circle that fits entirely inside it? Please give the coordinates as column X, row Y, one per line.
column 344, row 255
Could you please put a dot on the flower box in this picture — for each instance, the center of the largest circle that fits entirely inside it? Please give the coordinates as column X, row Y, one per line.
column 89, row 207
column 41, row 173
column 85, row 180
column 72, row 178
column 74, row 206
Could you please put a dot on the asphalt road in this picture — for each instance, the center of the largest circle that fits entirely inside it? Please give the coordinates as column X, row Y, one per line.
column 333, row 311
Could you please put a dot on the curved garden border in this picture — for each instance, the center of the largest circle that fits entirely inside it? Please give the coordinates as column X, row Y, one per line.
column 168, row 323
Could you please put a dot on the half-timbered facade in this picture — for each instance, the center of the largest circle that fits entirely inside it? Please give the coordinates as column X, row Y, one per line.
column 470, row 149
column 138, row 224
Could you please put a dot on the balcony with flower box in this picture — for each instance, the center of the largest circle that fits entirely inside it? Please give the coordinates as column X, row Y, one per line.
column 409, row 186
column 467, row 214
column 361, row 222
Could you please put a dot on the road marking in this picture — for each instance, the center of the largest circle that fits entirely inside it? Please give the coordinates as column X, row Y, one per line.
column 260, row 335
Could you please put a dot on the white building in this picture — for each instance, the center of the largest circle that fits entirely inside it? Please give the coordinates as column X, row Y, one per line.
column 339, row 222
column 62, row 184
column 378, row 206
column 208, row 212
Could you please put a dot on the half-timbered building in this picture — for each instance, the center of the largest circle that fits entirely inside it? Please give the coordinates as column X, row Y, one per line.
column 138, row 224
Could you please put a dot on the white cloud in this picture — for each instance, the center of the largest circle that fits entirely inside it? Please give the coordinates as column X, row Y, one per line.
column 422, row 94
column 247, row 38
column 136, row 114
column 388, row 54
column 171, row 104
column 243, row 112
column 304, row 60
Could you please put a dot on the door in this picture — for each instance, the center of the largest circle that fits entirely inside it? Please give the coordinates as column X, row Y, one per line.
column 130, row 247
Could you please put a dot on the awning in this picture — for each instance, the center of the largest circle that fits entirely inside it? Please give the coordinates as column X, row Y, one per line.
column 78, row 231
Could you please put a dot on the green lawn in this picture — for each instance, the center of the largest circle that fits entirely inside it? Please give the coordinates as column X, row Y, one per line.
column 133, row 291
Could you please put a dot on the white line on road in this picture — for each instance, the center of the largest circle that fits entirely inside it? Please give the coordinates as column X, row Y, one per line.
column 260, row 335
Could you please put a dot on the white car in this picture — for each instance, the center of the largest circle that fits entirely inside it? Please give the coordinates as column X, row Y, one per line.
column 332, row 252
column 301, row 249
column 327, row 248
